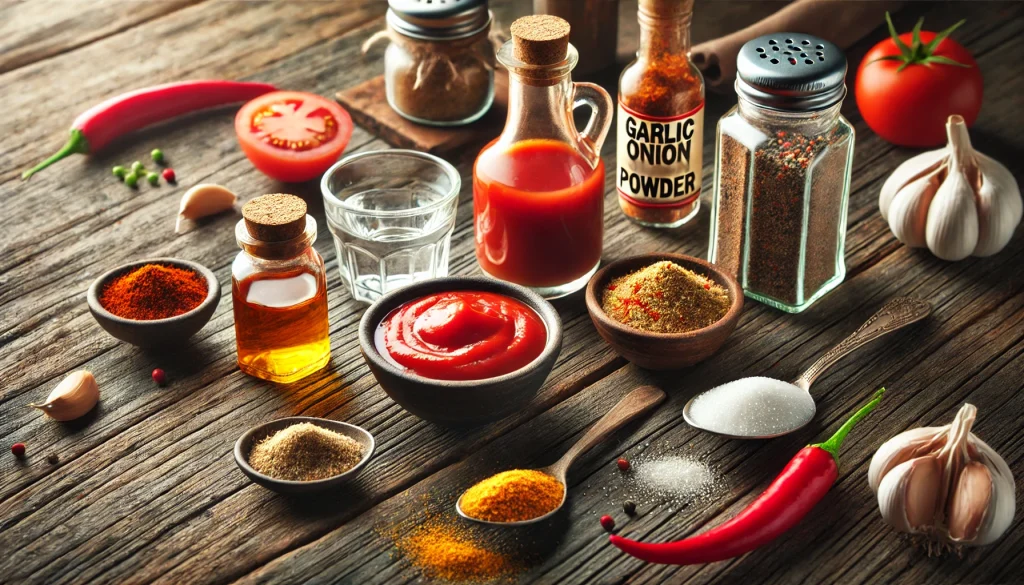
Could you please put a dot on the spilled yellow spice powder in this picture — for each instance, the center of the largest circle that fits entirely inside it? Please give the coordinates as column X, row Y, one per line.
column 513, row 496
column 444, row 550
column 665, row 298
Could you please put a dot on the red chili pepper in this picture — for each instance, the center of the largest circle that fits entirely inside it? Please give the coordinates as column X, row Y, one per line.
column 804, row 482
column 102, row 123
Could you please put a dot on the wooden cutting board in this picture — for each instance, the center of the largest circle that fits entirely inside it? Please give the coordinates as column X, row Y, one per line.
column 369, row 108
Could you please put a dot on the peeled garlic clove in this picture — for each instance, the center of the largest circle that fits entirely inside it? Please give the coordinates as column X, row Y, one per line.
column 902, row 447
column 908, row 215
column 911, row 170
column 76, row 395
column 999, row 206
column 970, row 501
column 204, row 200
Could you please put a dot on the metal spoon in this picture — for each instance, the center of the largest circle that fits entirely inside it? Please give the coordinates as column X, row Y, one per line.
column 897, row 313
column 632, row 406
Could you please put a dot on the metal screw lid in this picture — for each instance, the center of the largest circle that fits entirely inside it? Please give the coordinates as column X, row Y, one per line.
column 791, row 72
column 437, row 20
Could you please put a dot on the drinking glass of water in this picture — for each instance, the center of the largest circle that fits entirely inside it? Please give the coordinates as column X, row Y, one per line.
column 391, row 213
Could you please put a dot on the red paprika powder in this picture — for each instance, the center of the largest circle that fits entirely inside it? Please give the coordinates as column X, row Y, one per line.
column 154, row 291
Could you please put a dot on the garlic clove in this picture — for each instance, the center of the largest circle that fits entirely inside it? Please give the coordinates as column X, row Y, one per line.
column 951, row 231
column 204, row 200
column 969, row 502
column 1004, row 494
column 908, row 494
column 902, row 447
column 76, row 395
column 908, row 214
column 999, row 206
column 911, row 170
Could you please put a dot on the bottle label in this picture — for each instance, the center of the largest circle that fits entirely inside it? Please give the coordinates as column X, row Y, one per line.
column 660, row 159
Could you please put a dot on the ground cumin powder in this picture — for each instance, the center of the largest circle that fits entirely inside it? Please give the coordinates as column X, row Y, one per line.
column 305, row 452
column 665, row 298
column 513, row 496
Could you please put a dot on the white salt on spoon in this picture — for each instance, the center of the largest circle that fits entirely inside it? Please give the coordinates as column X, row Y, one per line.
column 762, row 408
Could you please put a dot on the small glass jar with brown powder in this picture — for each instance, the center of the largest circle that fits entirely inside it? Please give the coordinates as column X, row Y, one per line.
column 439, row 67
column 782, row 171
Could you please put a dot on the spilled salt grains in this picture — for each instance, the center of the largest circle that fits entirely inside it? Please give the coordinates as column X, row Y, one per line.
column 665, row 298
column 676, row 476
column 305, row 452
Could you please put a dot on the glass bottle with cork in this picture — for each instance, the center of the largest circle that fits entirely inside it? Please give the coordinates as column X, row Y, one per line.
column 279, row 291
column 783, row 162
column 660, row 128
column 538, row 189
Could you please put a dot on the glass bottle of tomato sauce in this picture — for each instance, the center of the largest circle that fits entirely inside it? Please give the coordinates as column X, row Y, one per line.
column 538, row 189
column 660, row 130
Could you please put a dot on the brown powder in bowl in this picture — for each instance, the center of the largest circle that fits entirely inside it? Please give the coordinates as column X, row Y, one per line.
column 305, row 452
column 665, row 298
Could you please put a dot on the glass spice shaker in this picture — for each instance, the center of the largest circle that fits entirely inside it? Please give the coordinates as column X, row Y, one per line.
column 660, row 129
column 439, row 67
column 279, row 291
column 538, row 189
column 783, row 160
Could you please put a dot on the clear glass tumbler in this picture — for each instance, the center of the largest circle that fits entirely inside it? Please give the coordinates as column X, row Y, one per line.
column 391, row 214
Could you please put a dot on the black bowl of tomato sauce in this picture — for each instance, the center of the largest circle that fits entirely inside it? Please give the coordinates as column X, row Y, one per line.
column 495, row 375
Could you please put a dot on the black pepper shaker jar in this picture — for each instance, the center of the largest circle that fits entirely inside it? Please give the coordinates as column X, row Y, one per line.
column 439, row 67
column 782, row 166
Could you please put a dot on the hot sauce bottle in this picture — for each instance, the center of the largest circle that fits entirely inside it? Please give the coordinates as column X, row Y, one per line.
column 660, row 128
column 279, row 291
column 538, row 189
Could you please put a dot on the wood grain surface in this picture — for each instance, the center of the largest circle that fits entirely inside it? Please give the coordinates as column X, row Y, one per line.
column 146, row 490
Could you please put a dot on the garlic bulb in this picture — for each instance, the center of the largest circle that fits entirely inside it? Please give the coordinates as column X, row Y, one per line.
column 72, row 398
column 955, row 200
column 944, row 483
column 203, row 200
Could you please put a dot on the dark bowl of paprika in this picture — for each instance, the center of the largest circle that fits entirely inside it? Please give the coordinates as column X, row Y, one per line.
column 663, row 351
column 155, row 304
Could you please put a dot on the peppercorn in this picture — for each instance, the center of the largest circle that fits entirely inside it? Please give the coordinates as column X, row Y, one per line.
column 137, row 166
column 629, row 507
column 608, row 523
column 52, row 459
column 120, row 172
column 19, row 450
column 153, row 178
column 131, row 179
column 623, row 464
column 159, row 377
column 168, row 175
column 157, row 155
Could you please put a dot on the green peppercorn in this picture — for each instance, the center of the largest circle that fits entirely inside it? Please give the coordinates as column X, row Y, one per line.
column 120, row 172
column 137, row 166
column 153, row 178
column 158, row 155
column 131, row 179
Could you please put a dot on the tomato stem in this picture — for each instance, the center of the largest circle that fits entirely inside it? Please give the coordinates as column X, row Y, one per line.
column 832, row 445
column 919, row 53
column 76, row 144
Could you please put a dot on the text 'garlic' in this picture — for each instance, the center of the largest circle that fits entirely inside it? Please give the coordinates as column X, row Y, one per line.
column 944, row 483
column 203, row 200
column 72, row 398
column 955, row 200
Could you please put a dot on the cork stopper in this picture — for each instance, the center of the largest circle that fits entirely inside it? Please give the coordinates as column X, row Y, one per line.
column 540, row 39
column 666, row 8
column 275, row 218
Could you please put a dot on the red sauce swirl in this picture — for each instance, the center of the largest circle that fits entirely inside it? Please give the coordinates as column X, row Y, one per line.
column 461, row 335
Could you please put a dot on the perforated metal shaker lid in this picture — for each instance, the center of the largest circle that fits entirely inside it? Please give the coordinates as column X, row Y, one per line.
column 438, row 19
column 791, row 72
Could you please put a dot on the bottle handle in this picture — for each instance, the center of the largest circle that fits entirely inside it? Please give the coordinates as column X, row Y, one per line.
column 601, row 109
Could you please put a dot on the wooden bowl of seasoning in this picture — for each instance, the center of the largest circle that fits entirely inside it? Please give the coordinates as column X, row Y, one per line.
column 480, row 395
column 157, row 303
column 660, row 317
column 305, row 453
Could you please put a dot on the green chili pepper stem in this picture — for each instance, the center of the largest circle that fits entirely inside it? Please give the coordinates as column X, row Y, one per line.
column 832, row 445
column 76, row 144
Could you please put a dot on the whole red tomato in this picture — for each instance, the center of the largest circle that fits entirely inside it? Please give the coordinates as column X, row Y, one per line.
column 908, row 86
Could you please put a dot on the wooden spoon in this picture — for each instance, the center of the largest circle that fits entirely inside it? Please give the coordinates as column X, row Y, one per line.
column 635, row 404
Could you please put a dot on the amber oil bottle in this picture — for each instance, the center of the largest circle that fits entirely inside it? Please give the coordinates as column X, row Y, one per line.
column 279, row 291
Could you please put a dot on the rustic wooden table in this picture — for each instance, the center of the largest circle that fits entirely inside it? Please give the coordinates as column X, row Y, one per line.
column 146, row 489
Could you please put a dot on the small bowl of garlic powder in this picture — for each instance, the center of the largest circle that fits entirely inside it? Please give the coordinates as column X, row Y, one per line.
column 303, row 454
